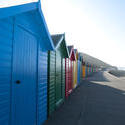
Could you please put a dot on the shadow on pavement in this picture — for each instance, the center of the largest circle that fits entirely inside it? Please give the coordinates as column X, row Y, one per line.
column 91, row 104
column 118, row 73
column 97, row 77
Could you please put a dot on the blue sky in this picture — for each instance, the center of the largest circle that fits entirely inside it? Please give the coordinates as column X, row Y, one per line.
column 96, row 27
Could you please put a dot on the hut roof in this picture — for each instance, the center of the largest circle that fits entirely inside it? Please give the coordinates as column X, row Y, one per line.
column 75, row 50
column 33, row 7
column 71, row 52
column 11, row 8
column 59, row 41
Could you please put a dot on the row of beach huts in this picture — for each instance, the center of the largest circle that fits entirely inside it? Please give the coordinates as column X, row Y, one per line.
column 37, row 71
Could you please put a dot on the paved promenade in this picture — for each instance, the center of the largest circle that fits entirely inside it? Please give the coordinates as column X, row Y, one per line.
column 100, row 100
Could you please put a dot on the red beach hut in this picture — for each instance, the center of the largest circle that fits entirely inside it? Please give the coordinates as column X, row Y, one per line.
column 69, row 70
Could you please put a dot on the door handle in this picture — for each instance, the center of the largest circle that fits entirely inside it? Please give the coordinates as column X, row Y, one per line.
column 18, row 82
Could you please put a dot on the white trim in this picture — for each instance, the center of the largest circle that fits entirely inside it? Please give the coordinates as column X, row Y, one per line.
column 9, row 3
column 59, row 42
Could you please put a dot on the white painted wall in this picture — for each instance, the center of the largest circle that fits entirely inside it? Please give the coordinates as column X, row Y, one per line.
column 8, row 3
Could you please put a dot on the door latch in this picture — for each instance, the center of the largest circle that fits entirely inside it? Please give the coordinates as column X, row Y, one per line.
column 18, row 82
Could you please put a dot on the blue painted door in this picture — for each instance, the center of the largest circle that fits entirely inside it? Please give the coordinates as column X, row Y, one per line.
column 24, row 78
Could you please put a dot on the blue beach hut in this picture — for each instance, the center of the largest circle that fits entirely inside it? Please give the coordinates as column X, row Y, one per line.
column 24, row 42
column 79, row 69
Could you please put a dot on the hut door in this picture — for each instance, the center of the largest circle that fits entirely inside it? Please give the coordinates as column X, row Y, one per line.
column 24, row 78
column 58, row 79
